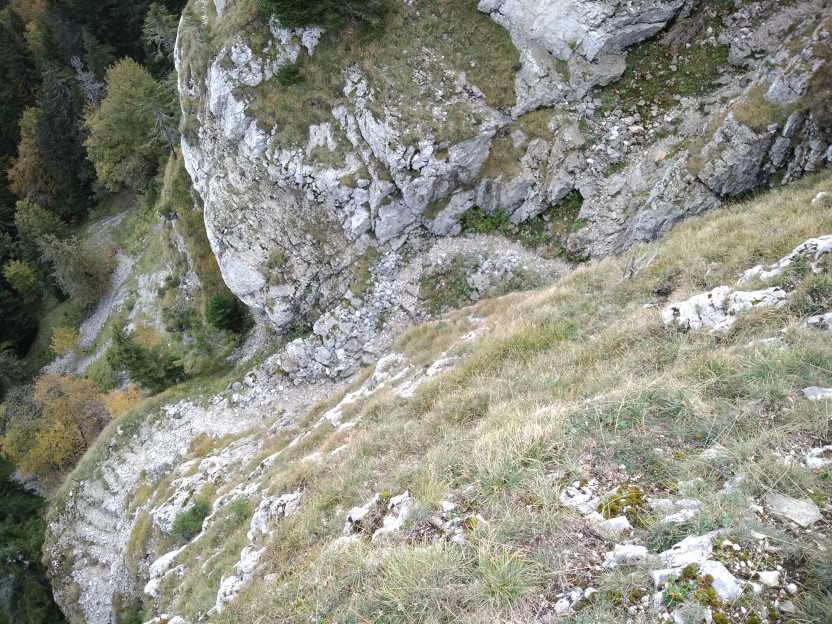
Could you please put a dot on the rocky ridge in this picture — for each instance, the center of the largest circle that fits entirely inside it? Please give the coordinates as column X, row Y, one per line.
column 110, row 540
column 314, row 266
column 288, row 228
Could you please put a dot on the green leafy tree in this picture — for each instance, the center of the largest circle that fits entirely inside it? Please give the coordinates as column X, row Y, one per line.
column 33, row 223
column 64, row 340
column 21, row 277
column 153, row 368
column 81, row 270
column 134, row 126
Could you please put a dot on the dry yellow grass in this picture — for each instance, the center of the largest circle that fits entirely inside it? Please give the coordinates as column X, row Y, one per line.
column 575, row 379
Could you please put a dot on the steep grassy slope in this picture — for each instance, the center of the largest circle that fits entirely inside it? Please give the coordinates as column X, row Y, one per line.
column 578, row 382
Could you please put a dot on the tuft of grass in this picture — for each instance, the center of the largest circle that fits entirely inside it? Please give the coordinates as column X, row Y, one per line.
column 505, row 576
column 756, row 113
column 189, row 523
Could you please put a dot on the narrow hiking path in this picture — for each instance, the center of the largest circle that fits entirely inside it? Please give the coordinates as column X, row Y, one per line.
column 77, row 363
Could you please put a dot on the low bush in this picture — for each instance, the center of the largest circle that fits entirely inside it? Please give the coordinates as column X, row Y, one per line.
column 81, row 270
column 189, row 523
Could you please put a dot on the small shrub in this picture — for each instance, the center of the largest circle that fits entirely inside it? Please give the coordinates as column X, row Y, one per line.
column 171, row 283
column 153, row 368
column 476, row 221
column 189, row 523
column 133, row 618
column 64, row 340
column 180, row 318
column 288, row 74
column 239, row 511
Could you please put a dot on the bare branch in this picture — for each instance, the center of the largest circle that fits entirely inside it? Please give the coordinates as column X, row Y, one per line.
column 92, row 89
column 635, row 265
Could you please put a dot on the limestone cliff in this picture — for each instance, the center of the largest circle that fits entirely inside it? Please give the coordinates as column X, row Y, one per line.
column 392, row 165
column 363, row 172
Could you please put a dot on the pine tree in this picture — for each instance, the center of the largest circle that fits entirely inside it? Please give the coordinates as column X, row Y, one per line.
column 151, row 368
column 33, row 223
column 159, row 36
column 60, row 144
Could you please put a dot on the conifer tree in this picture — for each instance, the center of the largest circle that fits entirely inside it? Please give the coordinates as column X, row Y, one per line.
column 60, row 144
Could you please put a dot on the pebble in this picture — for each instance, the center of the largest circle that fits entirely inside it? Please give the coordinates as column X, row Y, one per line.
column 787, row 606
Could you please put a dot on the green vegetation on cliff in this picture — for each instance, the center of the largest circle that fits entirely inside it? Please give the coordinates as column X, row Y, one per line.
column 25, row 593
column 579, row 382
column 405, row 54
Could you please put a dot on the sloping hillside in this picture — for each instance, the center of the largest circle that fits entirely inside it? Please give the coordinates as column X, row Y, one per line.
column 530, row 458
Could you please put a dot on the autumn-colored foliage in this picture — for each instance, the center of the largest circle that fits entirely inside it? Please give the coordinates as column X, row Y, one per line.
column 50, row 427
column 119, row 402
column 28, row 176
column 64, row 340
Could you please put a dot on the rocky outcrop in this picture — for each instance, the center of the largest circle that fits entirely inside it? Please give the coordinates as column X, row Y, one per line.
column 587, row 39
column 734, row 158
column 87, row 542
column 286, row 227
column 289, row 222
column 717, row 310
column 809, row 252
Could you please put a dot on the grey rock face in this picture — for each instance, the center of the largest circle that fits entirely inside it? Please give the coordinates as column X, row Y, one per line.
column 589, row 36
column 288, row 226
column 734, row 158
column 285, row 228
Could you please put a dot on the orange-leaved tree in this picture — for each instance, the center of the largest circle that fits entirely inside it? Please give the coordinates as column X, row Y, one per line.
column 50, row 427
